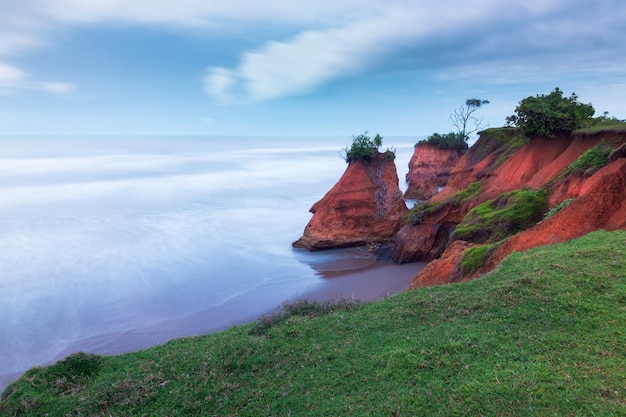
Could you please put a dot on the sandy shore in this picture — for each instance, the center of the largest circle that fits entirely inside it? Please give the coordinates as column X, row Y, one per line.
column 373, row 282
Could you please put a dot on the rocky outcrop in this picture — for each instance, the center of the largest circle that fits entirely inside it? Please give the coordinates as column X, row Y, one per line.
column 443, row 270
column 499, row 169
column 600, row 204
column 429, row 169
column 365, row 206
column 598, row 200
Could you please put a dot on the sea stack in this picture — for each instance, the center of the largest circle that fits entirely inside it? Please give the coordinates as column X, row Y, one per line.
column 365, row 206
column 429, row 169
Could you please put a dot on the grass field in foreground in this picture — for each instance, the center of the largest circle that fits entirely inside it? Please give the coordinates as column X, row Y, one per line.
column 544, row 335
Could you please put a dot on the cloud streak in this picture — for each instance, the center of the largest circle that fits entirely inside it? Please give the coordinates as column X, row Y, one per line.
column 522, row 32
column 334, row 40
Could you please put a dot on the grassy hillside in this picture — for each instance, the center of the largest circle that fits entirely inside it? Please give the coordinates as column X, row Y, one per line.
column 544, row 334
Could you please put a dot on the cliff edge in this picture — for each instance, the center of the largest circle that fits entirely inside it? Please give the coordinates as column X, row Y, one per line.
column 583, row 177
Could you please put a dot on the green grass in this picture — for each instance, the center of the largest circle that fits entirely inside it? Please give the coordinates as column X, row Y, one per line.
column 543, row 335
column 604, row 124
column 505, row 216
column 416, row 214
column 474, row 258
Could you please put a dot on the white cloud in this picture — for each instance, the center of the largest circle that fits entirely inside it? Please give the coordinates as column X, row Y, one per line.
column 10, row 74
column 56, row 88
column 336, row 38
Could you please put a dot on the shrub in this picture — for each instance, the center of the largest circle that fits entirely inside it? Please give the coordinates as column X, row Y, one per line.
column 363, row 147
column 550, row 115
column 558, row 208
column 507, row 215
column 590, row 161
column 447, row 141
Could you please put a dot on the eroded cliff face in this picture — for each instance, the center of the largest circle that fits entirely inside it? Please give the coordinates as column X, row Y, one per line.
column 365, row 206
column 429, row 169
column 598, row 201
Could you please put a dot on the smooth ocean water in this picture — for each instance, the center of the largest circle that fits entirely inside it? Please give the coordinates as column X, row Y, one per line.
column 109, row 244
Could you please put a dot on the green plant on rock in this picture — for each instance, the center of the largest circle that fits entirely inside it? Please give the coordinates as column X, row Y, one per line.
column 505, row 216
column 471, row 191
column 475, row 257
column 590, row 161
column 450, row 140
column 363, row 147
column 416, row 215
column 558, row 208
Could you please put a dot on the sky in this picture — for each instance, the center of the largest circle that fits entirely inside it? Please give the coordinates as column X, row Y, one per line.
column 285, row 67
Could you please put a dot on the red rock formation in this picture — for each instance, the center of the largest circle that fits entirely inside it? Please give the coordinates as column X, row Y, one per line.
column 365, row 206
column 599, row 203
column 534, row 164
column 429, row 169
column 444, row 270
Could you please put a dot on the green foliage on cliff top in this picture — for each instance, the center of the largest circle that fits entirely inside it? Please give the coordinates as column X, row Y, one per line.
column 551, row 114
column 604, row 123
column 450, row 140
column 505, row 216
column 541, row 335
column 365, row 148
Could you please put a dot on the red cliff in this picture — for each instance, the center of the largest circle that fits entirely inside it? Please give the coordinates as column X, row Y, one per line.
column 365, row 206
column 429, row 169
column 598, row 199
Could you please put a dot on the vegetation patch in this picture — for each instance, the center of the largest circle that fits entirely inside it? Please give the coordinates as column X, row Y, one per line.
column 475, row 257
column 552, row 114
column 363, row 147
column 589, row 162
column 450, row 140
column 68, row 376
column 543, row 335
column 468, row 193
column 494, row 139
column 505, row 216
column 416, row 214
column 302, row 308
column 558, row 208
column 604, row 123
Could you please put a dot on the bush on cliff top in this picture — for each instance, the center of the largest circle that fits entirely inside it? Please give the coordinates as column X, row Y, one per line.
column 505, row 216
column 447, row 141
column 551, row 114
column 365, row 148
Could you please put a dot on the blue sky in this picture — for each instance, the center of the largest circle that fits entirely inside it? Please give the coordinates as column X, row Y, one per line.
column 281, row 67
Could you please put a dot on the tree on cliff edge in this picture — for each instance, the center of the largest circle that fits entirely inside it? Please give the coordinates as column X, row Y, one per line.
column 551, row 114
column 464, row 116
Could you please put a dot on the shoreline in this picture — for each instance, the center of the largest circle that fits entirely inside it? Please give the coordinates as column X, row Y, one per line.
column 365, row 280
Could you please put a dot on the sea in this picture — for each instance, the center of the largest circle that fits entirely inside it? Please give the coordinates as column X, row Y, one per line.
column 110, row 244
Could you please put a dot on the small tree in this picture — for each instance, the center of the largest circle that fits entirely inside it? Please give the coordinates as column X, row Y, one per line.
column 463, row 117
column 550, row 115
column 363, row 147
